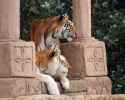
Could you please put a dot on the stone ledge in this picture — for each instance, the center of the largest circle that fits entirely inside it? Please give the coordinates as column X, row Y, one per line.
column 98, row 85
column 77, row 87
column 64, row 97
column 13, row 87
column 89, row 86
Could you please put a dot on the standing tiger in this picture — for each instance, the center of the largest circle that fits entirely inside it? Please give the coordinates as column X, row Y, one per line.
column 46, row 34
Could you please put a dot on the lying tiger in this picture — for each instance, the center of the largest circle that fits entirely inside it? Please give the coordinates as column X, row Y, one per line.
column 46, row 34
column 57, row 67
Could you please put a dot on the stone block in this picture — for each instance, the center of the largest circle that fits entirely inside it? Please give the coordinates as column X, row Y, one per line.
column 98, row 85
column 13, row 87
column 87, row 58
column 77, row 87
column 17, row 59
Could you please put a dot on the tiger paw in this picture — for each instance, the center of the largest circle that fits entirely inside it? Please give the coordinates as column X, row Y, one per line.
column 65, row 84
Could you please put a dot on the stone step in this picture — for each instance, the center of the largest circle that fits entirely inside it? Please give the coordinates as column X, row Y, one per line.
column 90, row 86
column 13, row 87
column 77, row 87
column 98, row 85
column 17, row 59
column 29, row 86
column 64, row 97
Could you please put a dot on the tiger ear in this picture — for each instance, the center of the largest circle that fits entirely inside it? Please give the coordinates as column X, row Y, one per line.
column 66, row 17
column 63, row 17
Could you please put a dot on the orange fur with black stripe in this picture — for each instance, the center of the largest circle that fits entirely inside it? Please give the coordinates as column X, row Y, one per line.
column 43, row 27
column 42, row 58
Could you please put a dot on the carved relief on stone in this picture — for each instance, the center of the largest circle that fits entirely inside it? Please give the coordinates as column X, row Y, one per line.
column 17, row 86
column 23, row 58
column 95, row 60
column 87, row 58
column 98, row 85
column 33, row 86
column 13, row 87
column 17, row 59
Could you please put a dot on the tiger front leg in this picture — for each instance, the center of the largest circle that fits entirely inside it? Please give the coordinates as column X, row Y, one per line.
column 65, row 83
column 50, row 82
column 62, row 74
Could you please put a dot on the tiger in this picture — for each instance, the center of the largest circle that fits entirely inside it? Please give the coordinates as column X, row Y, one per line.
column 46, row 34
column 57, row 68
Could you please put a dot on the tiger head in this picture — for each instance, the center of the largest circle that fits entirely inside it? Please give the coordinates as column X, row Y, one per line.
column 65, row 29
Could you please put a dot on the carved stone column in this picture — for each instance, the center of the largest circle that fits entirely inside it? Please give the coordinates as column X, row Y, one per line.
column 87, row 55
column 9, row 20
column 82, row 18
column 17, row 61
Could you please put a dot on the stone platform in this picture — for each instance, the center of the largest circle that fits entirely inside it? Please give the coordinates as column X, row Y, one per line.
column 63, row 97
column 14, row 87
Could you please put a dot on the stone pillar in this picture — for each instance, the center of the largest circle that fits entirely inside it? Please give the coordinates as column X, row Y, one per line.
column 17, row 57
column 82, row 18
column 9, row 19
column 87, row 55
